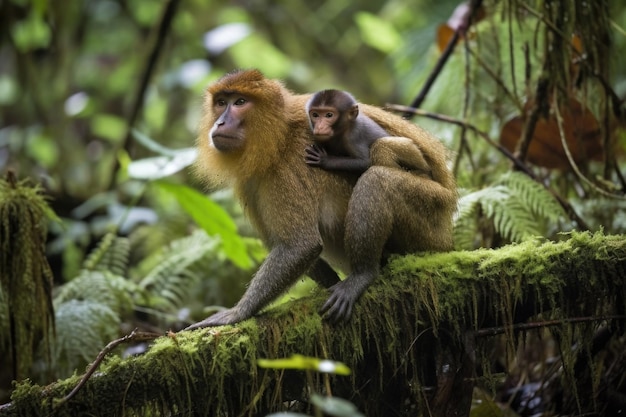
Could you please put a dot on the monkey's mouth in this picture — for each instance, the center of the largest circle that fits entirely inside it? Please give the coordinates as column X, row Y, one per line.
column 226, row 142
column 222, row 136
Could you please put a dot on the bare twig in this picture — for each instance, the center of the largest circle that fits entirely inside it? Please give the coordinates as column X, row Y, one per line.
column 134, row 336
column 443, row 118
column 512, row 54
column 516, row 161
column 617, row 104
column 572, row 162
column 463, row 144
column 537, row 110
column 445, row 55
column 157, row 47
column 161, row 31
column 497, row 79
column 492, row 331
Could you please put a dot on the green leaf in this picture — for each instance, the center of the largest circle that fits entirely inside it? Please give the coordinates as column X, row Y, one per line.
column 155, row 112
column 212, row 218
column 335, row 406
column 161, row 166
column 43, row 149
column 246, row 54
column 145, row 12
column 109, row 127
column 9, row 90
column 486, row 408
column 306, row 363
column 378, row 33
column 152, row 144
column 31, row 33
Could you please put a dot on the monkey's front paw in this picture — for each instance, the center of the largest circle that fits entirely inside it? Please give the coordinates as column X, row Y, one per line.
column 313, row 155
column 338, row 307
column 229, row 316
column 316, row 156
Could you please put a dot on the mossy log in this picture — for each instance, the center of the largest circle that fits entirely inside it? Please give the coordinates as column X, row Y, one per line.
column 425, row 311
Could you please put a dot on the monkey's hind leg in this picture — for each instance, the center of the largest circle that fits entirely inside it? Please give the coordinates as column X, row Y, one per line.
column 322, row 273
column 369, row 224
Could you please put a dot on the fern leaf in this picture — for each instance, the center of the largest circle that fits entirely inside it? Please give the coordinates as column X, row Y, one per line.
column 100, row 287
column 514, row 221
column 172, row 280
column 465, row 224
column 533, row 195
column 110, row 255
column 512, row 217
column 83, row 328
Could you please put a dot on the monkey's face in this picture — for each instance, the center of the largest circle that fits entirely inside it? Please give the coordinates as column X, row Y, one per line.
column 323, row 122
column 230, row 111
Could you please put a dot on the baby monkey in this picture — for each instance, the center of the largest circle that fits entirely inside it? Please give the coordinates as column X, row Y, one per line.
column 342, row 135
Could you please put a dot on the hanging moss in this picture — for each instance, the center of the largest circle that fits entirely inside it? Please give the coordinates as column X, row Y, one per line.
column 25, row 276
column 213, row 371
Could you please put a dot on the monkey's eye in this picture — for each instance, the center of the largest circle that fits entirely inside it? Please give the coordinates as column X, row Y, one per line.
column 329, row 115
column 240, row 101
column 220, row 102
column 315, row 115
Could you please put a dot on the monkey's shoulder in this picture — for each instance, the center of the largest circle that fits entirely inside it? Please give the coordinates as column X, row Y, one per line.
column 395, row 125
column 366, row 129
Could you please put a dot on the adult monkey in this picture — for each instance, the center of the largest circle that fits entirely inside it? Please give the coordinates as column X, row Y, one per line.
column 252, row 136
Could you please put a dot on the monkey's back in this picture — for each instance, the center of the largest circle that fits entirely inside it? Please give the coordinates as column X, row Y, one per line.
column 434, row 151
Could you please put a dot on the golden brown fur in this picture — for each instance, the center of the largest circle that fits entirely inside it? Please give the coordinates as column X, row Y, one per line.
column 302, row 212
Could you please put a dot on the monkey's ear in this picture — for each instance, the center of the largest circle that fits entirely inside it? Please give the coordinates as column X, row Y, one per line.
column 354, row 112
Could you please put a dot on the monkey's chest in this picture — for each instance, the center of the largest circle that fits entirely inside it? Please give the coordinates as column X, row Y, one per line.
column 339, row 149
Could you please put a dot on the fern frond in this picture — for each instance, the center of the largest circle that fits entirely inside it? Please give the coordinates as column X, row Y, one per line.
column 100, row 287
column 110, row 255
column 83, row 328
column 465, row 221
column 516, row 205
column 511, row 217
column 533, row 195
column 172, row 280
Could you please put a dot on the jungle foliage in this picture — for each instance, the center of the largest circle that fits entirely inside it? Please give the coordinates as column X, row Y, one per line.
column 103, row 229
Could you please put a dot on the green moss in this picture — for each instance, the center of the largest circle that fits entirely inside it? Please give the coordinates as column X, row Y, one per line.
column 26, row 317
column 423, row 302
